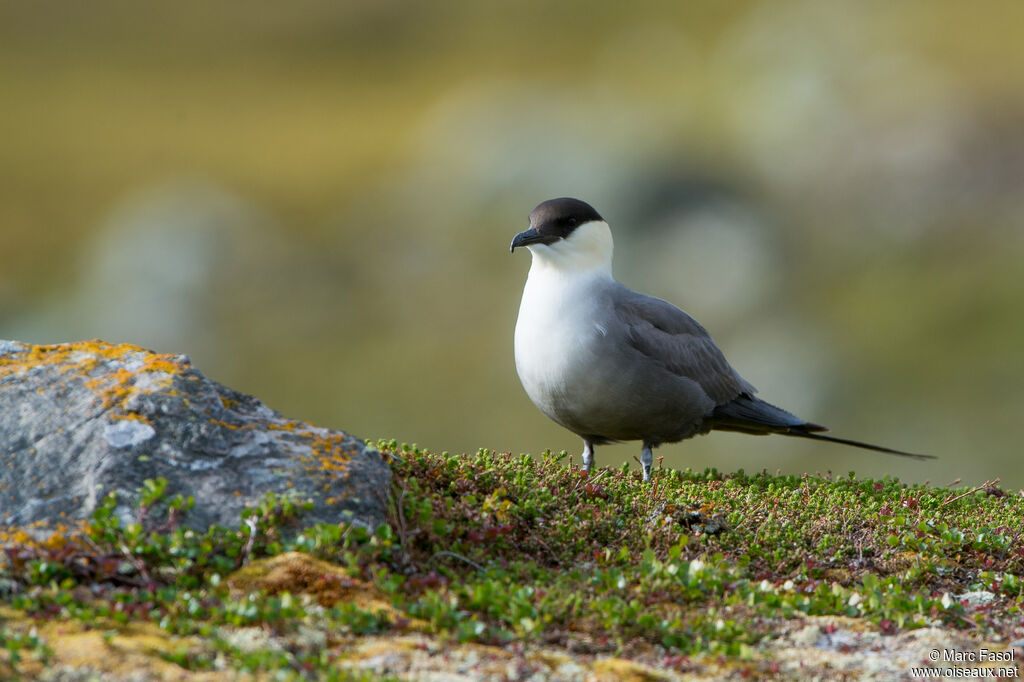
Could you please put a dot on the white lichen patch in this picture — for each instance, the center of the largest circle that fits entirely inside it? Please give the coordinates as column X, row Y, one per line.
column 152, row 381
column 126, row 433
column 976, row 598
column 256, row 443
column 250, row 639
column 10, row 347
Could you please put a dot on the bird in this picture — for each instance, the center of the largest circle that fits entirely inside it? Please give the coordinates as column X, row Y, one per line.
column 612, row 365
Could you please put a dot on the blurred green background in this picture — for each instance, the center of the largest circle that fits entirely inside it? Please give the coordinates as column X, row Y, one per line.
column 315, row 200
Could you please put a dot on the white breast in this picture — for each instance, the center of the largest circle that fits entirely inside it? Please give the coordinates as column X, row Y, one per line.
column 555, row 326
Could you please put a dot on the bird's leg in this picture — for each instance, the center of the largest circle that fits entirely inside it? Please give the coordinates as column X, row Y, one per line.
column 588, row 455
column 647, row 459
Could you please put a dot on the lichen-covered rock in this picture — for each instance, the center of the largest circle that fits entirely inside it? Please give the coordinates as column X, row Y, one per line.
column 79, row 420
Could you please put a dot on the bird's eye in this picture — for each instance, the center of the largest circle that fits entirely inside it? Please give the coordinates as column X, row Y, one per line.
column 572, row 221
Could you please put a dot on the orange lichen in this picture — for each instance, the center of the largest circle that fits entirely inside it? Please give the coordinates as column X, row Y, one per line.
column 330, row 452
column 287, row 426
column 81, row 355
column 114, row 387
column 226, row 425
column 118, row 387
column 160, row 363
column 49, row 536
column 15, row 536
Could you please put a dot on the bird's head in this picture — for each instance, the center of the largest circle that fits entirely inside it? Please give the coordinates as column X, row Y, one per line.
column 567, row 234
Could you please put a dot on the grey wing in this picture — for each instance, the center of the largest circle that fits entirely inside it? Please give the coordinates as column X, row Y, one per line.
column 669, row 336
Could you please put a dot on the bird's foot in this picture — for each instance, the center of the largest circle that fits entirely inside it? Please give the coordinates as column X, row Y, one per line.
column 588, row 456
column 647, row 460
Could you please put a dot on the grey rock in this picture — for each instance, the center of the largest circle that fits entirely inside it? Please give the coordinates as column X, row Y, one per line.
column 82, row 419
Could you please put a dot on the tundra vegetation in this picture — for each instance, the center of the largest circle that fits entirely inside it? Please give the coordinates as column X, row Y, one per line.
column 700, row 568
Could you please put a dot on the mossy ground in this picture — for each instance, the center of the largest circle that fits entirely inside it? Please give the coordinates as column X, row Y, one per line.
column 492, row 553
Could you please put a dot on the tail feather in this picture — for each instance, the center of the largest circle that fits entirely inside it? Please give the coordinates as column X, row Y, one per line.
column 855, row 443
column 747, row 414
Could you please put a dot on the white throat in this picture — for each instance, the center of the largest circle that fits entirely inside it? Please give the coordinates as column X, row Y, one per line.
column 587, row 251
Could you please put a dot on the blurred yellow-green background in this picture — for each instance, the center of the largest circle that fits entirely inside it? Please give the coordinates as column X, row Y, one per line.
column 315, row 199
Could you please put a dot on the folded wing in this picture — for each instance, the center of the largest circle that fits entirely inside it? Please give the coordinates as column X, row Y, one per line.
column 668, row 336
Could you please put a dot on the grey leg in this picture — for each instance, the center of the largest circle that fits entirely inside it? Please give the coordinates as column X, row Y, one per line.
column 647, row 459
column 588, row 455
